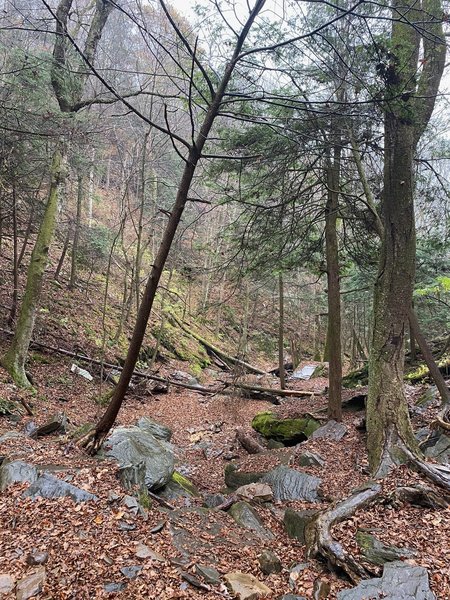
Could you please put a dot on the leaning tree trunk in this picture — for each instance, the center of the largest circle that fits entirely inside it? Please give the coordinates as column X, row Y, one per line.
column 15, row 357
column 94, row 438
column 407, row 113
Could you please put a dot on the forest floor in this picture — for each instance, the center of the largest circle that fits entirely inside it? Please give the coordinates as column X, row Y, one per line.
column 89, row 543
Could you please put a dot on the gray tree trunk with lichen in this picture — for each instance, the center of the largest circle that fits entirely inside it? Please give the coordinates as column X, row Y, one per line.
column 68, row 92
column 407, row 113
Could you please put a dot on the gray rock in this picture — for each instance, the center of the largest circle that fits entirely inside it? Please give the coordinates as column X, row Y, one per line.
column 400, row 581
column 274, row 445
column 9, row 435
column 441, row 450
column 247, row 517
column 295, row 573
column 309, row 459
column 30, row 429
column 295, row 522
column 291, row 597
column 208, row 574
column 16, row 471
column 7, row 583
column 377, row 553
column 160, row 432
column 31, row 585
column 131, row 572
column 114, row 588
column 47, row 486
column 178, row 487
column 142, row 458
column 289, row 484
column 321, row 589
column 331, row 431
column 57, row 424
column 214, row 500
column 37, row 558
column 428, row 397
column 269, row 562
column 235, row 479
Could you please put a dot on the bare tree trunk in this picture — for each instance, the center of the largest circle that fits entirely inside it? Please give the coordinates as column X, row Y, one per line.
column 76, row 234
column 281, row 333
column 63, row 254
column 12, row 314
column 334, row 295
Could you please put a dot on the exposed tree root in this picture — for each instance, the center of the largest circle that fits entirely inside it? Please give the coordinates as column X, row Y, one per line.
column 438, row 474
column 443, row 418
column 91, row 442
column 422, row 495
column 320, row 542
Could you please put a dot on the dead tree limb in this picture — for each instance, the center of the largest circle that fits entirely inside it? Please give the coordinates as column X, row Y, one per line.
column 248, row 443
column 220, row 353
column 320, row 542
column 438, row 474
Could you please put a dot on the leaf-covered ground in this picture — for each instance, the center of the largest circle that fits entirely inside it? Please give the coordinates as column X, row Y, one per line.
column 88, row 544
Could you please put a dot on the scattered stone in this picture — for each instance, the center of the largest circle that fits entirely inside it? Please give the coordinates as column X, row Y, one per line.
column 246, row 586
column 31, row 585
column 192, row 580
column 124, row 526
column 441, row 450
column 112, row 496
column 292, row 597
column 321, row 589
column 30, row 429
column 47, row 486
column 259, row 492
column 377, row 553
column 16, row 471
column 144, row 552
column 57, row 424
column 288, row 431
column 214, row 500
column 131, row 572
column 159, row 527
column 37, row 558
column 131, row 503
column 208, row 574
column 160, row 432
column 82, row 372
column 9, row 435
column 289, row 484
column 235, row 479
column 296, row 521
column 143, row 459
column 294, row 574
column 309, row 459
column 7, row 583
column 399, row 581
column 178, row 487
column 114, row 588
column 428, row 397
column 247, row 517
column 269, row 562
column 331, row 431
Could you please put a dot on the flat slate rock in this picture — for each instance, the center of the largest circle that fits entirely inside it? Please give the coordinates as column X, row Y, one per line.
column 187, row 525
column 247, row 517
column 400, row 581
column 290, row 484
column 246, row 586
column 377, row 553
column 31, row 585
column 141, row 456
column 47, row 486
column 16, row 471
column 441, row 450
column 331, row 431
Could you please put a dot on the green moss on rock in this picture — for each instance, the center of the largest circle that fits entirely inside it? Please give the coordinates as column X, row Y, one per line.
column 184, row 482
column 287, row 431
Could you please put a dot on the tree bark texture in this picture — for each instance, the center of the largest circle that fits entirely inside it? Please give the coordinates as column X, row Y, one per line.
column 406, row 115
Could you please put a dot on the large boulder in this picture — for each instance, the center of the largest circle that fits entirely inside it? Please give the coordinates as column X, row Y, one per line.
column 331, row 431
column 143, row 458
column 290, row 484
column 161, row 432
column 400, row 581
column 287, row 431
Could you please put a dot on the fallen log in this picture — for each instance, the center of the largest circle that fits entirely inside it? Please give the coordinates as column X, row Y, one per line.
column 248, row 443
column 227, row 358
column 194, row 388
column 320, row 542
column 422, row 495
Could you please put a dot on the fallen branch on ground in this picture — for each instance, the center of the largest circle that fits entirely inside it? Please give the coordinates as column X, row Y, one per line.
column 320, row 542
column 248, row 443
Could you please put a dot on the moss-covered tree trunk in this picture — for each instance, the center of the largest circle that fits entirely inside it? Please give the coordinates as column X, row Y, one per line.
column 408, row 108
column 15, row 357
